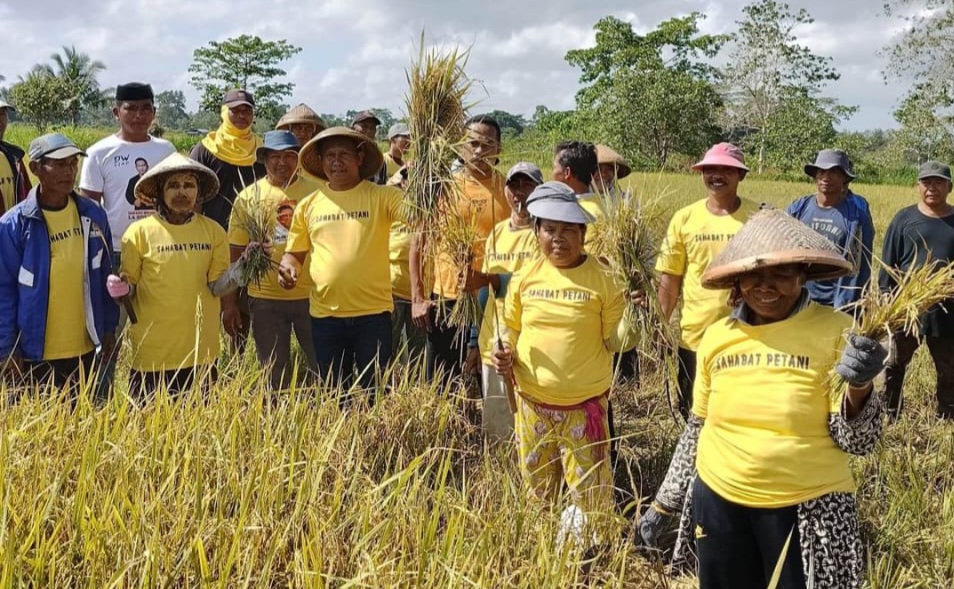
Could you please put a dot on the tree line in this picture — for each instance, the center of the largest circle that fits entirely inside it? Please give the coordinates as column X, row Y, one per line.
column 660, row 98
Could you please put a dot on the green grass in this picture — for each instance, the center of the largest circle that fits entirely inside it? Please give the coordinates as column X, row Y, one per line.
column 246, row 489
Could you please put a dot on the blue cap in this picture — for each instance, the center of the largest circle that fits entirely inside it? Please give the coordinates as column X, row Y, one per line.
column 555, row 201
column 280, row 140
column 54, row 146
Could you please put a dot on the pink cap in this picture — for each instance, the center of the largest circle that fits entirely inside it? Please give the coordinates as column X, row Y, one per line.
column 722, row 154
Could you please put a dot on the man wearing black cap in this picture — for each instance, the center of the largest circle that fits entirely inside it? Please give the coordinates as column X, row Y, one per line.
column 119, row 159
column 921, row 234
column 844, row 218
column 367, row 123
column 14, row 179
column 230, row 152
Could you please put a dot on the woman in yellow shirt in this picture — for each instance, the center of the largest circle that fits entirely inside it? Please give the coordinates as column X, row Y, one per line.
column 563, row 315
column 174, row 269
column 761, row 472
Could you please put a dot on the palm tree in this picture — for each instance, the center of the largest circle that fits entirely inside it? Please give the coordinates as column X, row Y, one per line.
column 78, row 73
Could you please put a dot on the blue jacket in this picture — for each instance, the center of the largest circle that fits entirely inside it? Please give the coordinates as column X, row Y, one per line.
column 25, row 276
column 852, row 223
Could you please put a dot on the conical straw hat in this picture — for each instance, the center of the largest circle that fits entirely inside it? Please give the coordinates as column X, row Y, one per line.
column 310, row 160
column 608, row 155
column 301, row 113
column 773, row 238
column 149, row 187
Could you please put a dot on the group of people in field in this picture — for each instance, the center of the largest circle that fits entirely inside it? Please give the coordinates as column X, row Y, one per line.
column 153, row 246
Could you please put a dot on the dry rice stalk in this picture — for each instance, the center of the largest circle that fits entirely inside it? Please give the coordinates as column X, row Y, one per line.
column 882, row 314
column 436, row 116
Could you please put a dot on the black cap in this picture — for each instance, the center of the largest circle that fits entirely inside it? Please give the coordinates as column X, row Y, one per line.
column 134, row 91
column 365, row 115
column 238, row 96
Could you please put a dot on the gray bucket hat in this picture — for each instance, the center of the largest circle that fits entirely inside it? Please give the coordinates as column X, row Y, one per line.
column 555, row 201
column 831, row 158
column 54, row 146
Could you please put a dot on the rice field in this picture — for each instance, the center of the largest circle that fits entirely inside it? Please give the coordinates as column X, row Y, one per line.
column 250, row 489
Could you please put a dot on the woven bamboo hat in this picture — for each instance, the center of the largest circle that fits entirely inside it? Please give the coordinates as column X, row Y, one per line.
column 149, row 187
column 310, row 160
column 772, row 238
column 608, row 155
column 301, row 113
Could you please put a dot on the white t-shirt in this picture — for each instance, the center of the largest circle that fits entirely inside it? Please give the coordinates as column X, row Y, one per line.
column 113, row 168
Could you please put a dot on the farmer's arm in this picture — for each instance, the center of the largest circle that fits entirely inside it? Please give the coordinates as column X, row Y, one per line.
column 92, row 183
column 671, row 266
column 668, row 293
column 10, row 263
column 420, row 301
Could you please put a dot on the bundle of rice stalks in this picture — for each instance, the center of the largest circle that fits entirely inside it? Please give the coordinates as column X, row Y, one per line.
column 882, row 314
column 258, row 219
column 457, row 239
column 627, row 241
column 436, row 115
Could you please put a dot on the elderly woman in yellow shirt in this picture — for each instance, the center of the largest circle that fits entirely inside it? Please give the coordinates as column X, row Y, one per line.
column 174, row 269
column 761, row 472
column 563, row 316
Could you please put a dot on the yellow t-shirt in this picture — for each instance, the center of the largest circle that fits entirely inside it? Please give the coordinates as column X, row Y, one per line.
column 283, row 202
column 172, row 266
column 485, row 205
column 507, row 251
column 761, row 390
column 592, row 203
column 694, row 238
column 399, row 255
column 348, row 234
column 562, row 319
column 8, row 189
column 391, row 165
column 66, row 335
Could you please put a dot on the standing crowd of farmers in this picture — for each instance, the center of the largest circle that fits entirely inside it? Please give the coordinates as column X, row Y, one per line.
column 154, row 248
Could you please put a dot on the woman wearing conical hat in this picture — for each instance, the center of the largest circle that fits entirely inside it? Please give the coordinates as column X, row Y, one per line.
column 174, row 269
column 761, row 473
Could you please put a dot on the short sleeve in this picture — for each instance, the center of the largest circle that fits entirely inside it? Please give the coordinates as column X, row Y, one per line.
column 220, row 252
column 299, row 241
column 238, row 235
column 672, row 253
column 702, row 383
column 91, row 176
column 513, row 309
column 131, row 248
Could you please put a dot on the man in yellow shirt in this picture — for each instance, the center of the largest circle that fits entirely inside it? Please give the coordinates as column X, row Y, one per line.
column 345, row 226
column 696, row 234
column 54, row 307
column 276, row 311
column 399, row 141
column 480, row 199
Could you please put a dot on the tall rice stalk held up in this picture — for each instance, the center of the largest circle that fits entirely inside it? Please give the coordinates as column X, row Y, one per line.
column 258, row 220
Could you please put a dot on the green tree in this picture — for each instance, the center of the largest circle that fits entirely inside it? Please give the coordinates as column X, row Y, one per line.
column 510, row 124
column 246, row 62
column 630, row 81
column 922, row 57
column 171, row 110
column 78, row 73
column 38, row 98
column 771, row 77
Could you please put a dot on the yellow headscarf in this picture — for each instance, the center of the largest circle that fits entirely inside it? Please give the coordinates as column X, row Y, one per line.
column 230, row 144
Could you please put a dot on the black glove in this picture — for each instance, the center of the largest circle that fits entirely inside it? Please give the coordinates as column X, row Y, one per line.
column 651, row 525
column 861, row 361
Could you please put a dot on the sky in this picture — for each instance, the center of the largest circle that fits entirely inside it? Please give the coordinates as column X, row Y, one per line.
column 354, row 52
